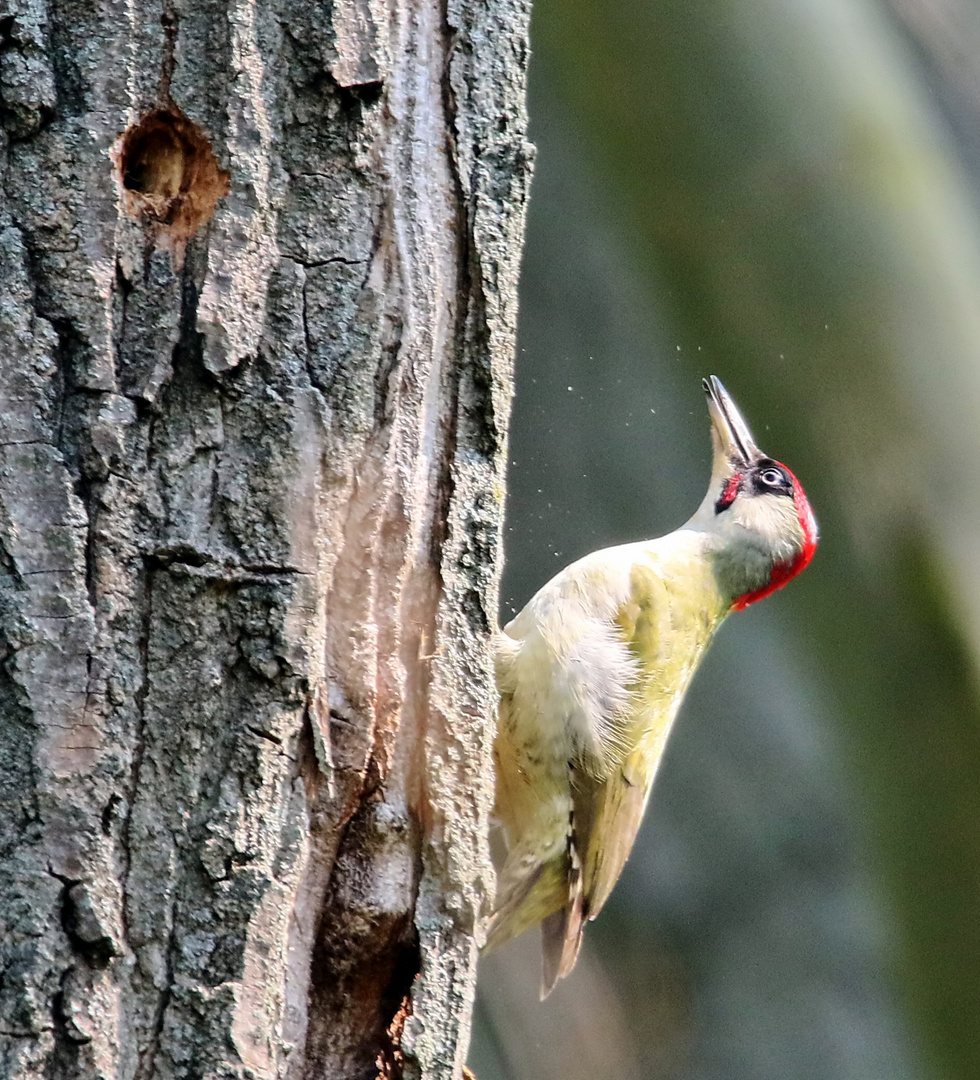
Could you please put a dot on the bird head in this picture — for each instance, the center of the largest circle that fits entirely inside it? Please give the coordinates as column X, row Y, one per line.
column 755, row 507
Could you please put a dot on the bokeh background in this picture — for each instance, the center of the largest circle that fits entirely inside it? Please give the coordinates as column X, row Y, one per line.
column 785, row 193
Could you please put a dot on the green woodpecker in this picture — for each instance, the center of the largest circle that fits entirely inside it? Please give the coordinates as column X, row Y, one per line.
column 592, row 672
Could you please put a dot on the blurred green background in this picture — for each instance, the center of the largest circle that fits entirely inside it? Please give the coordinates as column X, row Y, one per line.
column 783, row 193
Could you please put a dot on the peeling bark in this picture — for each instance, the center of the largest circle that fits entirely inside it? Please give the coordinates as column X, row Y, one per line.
column 250, row 508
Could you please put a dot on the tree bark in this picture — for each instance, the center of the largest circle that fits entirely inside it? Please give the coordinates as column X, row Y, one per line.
column 259, row 265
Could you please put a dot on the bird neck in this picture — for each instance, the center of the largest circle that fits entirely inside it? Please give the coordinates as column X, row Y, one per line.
column 745, row 572
column 707, row 562
column 742, row 566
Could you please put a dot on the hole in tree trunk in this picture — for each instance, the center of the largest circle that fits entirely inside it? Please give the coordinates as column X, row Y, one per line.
column 169, row 176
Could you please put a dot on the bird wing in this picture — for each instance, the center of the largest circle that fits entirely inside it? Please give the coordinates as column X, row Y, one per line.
column 607, row 811
column 667, row 631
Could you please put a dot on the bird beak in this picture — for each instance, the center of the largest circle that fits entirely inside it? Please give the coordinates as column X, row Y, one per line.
column 729, row 431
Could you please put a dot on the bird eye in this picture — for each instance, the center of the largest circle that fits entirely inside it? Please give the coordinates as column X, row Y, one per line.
column 772, row 477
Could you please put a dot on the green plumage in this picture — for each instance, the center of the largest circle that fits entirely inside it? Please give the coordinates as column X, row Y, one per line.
column 593, row 670
column 570, row 809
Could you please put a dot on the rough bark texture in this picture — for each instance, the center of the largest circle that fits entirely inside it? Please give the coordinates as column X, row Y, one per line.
column 250, row 500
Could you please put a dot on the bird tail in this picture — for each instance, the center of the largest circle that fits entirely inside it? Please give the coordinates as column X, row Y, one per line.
column 562, row 930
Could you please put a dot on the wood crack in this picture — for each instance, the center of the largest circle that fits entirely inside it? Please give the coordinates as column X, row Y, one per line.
column 146, row 1069
column 168, row 64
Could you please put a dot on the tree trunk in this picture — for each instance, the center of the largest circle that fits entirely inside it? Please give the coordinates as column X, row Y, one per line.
column 256, row 326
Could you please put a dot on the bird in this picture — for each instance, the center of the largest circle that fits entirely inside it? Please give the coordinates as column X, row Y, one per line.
column 591, row 674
